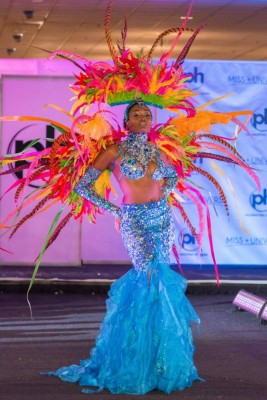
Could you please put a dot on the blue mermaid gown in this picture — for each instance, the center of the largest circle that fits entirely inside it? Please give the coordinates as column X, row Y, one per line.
column 145, row 341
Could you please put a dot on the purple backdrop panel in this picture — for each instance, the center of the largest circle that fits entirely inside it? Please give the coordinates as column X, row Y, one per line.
column 27, row 96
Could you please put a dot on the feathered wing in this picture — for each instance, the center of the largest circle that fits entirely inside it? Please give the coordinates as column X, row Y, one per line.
column 54, row 173
column 184, row 140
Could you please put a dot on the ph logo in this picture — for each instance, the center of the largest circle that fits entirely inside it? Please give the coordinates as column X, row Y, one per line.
column 24, row 137
column 196, row 76
column 188, row 242
column 259, row 201
column 259, row 121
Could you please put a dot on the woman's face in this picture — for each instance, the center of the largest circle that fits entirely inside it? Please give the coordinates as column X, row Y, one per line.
column 140, row 119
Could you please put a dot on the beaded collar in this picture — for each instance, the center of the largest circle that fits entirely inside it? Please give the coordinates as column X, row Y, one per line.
column 137, row 147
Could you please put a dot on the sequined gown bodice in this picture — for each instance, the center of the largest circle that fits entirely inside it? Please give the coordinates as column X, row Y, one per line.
column 136, row 155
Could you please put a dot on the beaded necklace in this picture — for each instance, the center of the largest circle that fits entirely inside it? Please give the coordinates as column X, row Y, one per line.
column 140, row 150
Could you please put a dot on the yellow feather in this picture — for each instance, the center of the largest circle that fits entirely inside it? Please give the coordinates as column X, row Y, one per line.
column 103, row 183
column 213, row 101
column 169, row 153
column 59, row 109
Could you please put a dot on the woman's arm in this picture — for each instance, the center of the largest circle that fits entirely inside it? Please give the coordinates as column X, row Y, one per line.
column 170, row 178
column 85, row 186
column 106, row 158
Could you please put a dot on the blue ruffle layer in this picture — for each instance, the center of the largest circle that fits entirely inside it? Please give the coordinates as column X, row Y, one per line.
column 145, row 341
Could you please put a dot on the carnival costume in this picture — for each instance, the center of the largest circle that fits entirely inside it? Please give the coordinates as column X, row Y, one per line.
column 145, row 341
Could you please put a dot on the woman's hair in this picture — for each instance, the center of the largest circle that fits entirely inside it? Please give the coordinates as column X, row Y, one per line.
column 138, row 101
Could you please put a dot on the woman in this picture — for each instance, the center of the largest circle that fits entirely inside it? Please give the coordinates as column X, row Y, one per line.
column 145, row 341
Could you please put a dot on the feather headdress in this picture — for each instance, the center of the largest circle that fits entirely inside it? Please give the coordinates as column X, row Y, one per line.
column 161, row 84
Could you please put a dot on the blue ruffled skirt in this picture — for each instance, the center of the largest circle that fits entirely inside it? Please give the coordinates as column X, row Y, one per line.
column 145, row 341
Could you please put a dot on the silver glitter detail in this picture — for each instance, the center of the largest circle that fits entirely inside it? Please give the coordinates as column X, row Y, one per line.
column 169, row 183
column 137, row 154
column 148, row 231
column 136, row 151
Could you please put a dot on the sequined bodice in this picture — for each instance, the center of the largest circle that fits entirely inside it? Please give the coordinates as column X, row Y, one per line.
column 131, row 170
column 137, row 154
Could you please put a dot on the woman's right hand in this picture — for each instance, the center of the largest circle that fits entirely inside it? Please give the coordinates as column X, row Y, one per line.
column 118, row 224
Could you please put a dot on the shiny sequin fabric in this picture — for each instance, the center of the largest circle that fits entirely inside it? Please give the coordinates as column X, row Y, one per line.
column 145, row 341
column 147, row 231
column 136, row 155
column 85, row 189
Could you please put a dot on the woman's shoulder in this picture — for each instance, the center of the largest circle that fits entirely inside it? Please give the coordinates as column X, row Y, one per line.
column 113, row 149
column 112, row 152
column 106, row 157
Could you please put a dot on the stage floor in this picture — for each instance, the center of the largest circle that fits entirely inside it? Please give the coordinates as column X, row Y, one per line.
column 231, row 349
column 77, row 279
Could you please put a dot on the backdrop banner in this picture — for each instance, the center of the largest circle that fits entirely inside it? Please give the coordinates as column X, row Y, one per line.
column 239, row 239
column 28, row 95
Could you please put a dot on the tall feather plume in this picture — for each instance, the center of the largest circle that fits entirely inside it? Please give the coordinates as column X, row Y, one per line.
column 18, row 191
column 186, row 219
column 36, row 173
column 217, row 157
column 176, row 255
column 215, row 183
column 31, row 214
column 162, row 35
column 15, row 169
column 222, row 141
column 195, row 196
column 59, row 228
column 123, row 37
column 32, row 177
column 246, row 167
column 61, row 56
column 108, row 31
column 169, row 53
column 182, row 55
